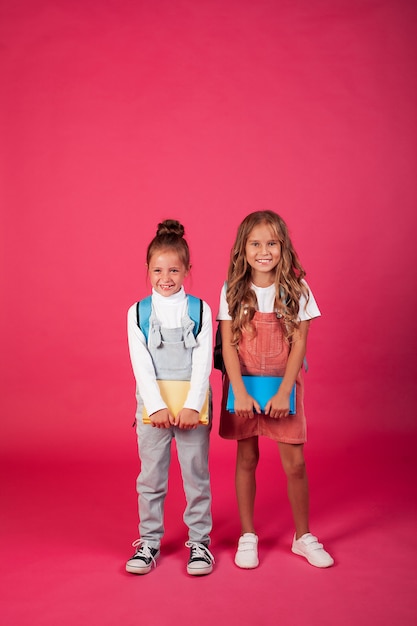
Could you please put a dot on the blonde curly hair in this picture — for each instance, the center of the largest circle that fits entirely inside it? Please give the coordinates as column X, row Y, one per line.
column 289, row 274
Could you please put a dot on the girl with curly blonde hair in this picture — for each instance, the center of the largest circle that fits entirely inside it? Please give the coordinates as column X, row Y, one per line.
column 265, row 311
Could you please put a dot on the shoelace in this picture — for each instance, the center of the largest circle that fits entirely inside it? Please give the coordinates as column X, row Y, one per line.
column 143, row 550
column 199, row 551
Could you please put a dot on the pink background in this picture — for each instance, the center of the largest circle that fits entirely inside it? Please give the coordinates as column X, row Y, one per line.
column 116, row 115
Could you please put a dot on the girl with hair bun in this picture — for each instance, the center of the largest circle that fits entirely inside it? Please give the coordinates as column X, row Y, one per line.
column 170, row 346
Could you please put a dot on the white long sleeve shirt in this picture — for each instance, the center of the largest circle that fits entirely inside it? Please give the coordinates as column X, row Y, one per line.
column 169, row 311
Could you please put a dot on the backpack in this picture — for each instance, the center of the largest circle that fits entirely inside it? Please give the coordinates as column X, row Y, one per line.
column 144, row 308
column 218, row 362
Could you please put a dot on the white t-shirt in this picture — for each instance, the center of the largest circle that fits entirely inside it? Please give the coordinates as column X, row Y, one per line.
column 266, row 303
column 169, row 311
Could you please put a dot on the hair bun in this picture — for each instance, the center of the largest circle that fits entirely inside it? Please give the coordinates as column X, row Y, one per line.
column 170, row 227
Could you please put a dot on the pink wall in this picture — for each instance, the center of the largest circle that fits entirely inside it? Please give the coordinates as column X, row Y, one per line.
column 118, row 114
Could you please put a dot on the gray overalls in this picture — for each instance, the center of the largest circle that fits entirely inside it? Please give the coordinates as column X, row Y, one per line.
column 171, row 350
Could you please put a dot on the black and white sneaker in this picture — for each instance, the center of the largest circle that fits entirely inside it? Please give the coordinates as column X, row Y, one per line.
column 143, row 559
column 201, row 559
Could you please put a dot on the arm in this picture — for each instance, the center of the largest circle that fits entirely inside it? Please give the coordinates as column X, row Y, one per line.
column 279, row 405
column 244, row 403
column 144, row 373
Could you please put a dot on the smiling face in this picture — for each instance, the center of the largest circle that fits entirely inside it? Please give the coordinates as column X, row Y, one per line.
column 166, row 272
column 263, row 252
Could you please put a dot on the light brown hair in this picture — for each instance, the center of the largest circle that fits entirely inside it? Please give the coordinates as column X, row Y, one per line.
column 289, row 274
column 170, row 235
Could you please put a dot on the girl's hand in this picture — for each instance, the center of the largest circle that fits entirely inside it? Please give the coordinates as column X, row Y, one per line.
column 188, row 419
column 278, row 406
column 161, row 419
column 245, row 406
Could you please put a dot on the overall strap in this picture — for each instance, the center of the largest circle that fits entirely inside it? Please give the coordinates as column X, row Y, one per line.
column 144, row 308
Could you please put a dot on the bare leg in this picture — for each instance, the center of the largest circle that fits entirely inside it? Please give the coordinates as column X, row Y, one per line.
column 245, row 481
column 292, row 458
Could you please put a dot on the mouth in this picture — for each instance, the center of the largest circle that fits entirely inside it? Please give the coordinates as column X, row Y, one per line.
column 263, row 261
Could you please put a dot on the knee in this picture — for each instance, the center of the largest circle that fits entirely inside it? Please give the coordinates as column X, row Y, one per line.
column 295, row 469
column 248, row 462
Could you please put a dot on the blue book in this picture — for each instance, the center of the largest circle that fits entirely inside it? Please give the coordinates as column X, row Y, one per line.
column 261, row 388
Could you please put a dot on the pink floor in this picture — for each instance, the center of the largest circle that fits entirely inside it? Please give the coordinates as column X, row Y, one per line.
column 69, row 525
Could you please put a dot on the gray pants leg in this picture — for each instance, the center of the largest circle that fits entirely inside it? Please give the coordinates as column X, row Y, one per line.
column 152, row 483
column 192, row 450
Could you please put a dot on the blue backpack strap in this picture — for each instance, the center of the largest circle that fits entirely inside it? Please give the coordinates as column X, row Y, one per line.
column 144, row 308
column 143, row 313
column 195, row 311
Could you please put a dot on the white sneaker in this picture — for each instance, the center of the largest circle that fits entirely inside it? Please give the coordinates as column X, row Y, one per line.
column 309, row 547
column 247, row 551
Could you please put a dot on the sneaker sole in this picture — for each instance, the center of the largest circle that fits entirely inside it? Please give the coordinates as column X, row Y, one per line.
column 138, row 570
column 313, row 563
column 247, row 566
column 199, row 572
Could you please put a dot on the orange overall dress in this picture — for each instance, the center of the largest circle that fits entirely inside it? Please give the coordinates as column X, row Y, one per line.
column 265, row 353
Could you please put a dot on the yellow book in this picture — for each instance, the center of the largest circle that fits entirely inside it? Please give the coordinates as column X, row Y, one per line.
column 174, row 394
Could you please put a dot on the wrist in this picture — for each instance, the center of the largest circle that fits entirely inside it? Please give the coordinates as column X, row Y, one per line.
column 284, row 390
